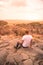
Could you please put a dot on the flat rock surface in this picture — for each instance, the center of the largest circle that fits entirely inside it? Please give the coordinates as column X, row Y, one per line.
column 23, row 56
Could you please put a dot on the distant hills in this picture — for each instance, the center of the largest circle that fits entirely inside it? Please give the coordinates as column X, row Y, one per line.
column 21, row 21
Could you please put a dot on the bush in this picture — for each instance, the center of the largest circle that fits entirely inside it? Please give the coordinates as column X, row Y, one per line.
column 2, row 23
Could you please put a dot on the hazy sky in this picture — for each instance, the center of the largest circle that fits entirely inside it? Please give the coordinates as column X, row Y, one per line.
column 21, row 9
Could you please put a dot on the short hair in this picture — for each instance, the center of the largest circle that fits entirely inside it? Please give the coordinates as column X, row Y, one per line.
column 26, row 32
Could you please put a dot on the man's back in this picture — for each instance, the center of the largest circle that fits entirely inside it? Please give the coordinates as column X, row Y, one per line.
column 26, row 40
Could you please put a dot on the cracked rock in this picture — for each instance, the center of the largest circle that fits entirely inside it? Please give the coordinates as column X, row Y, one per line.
column 38, row 60
column 28, row 62
column 3, row 55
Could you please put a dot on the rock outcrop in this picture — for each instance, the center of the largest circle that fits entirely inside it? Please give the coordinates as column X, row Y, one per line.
column 22, row 56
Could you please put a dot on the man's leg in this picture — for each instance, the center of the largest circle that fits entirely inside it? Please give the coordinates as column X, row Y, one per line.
column 18, row 45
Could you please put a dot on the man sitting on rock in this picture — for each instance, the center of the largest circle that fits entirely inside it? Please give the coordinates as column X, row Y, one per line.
column 26, row 41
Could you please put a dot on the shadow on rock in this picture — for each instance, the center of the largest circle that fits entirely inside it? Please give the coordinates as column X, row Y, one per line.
column 38, row 60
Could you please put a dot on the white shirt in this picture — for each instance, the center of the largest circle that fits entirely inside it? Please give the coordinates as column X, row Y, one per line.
column 27, row 39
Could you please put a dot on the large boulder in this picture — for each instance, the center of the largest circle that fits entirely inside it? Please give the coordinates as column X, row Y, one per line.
column 10, row 59
column 3, row 55
column 14, row 59
column 38, row 60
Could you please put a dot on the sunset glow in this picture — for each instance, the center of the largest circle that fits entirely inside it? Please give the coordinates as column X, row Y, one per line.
column 21, row 9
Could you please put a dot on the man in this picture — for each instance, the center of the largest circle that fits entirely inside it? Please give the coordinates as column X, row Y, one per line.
column 26, row 41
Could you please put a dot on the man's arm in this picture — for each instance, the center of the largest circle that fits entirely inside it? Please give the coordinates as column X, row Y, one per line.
column 31, row 44
column 21, row 41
